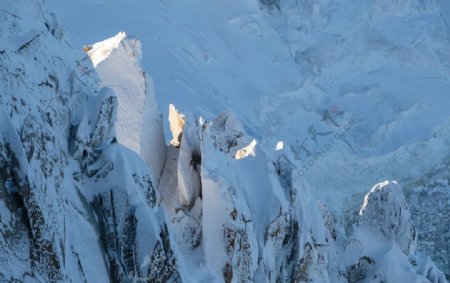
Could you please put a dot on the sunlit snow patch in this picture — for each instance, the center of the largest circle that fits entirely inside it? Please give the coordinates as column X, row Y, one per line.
column 101, row 50
column 176, row 121
column 279, row 146
column 249, row 150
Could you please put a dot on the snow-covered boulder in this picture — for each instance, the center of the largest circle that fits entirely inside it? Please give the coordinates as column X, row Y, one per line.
column 229, row 136
column 94, row 128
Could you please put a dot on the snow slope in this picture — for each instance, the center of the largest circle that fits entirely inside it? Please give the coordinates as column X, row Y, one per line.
column 138, row 117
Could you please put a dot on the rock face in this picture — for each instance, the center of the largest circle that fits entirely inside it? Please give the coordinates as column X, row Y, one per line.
column 63, row 218
column 433, row 232
column 77, row 205
column 386, row 213
column 131, row 225
column 385, row 233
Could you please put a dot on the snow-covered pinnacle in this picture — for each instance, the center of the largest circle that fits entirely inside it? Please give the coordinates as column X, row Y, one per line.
column 382, row 246
column 386, row 213
column 139, row 122
column 130, row 221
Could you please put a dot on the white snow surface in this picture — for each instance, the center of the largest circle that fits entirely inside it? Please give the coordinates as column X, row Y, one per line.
column 139, row 123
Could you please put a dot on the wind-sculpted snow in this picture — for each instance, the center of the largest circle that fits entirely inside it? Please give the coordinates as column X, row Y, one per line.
column 139, row 123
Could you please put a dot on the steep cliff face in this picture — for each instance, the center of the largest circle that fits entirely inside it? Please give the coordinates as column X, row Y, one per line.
column 37, row 83
column 139, row 123
column 63, row 218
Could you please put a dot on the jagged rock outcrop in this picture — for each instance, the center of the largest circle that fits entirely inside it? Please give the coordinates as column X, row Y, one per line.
column 385, row 233
column 386, row 214
column 229, row 228
column 253, row 221
column 132, row 227
column 62, row 219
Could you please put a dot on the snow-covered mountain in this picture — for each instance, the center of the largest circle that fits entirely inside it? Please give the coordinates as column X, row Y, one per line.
column 280, row 115
column 76, row 206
